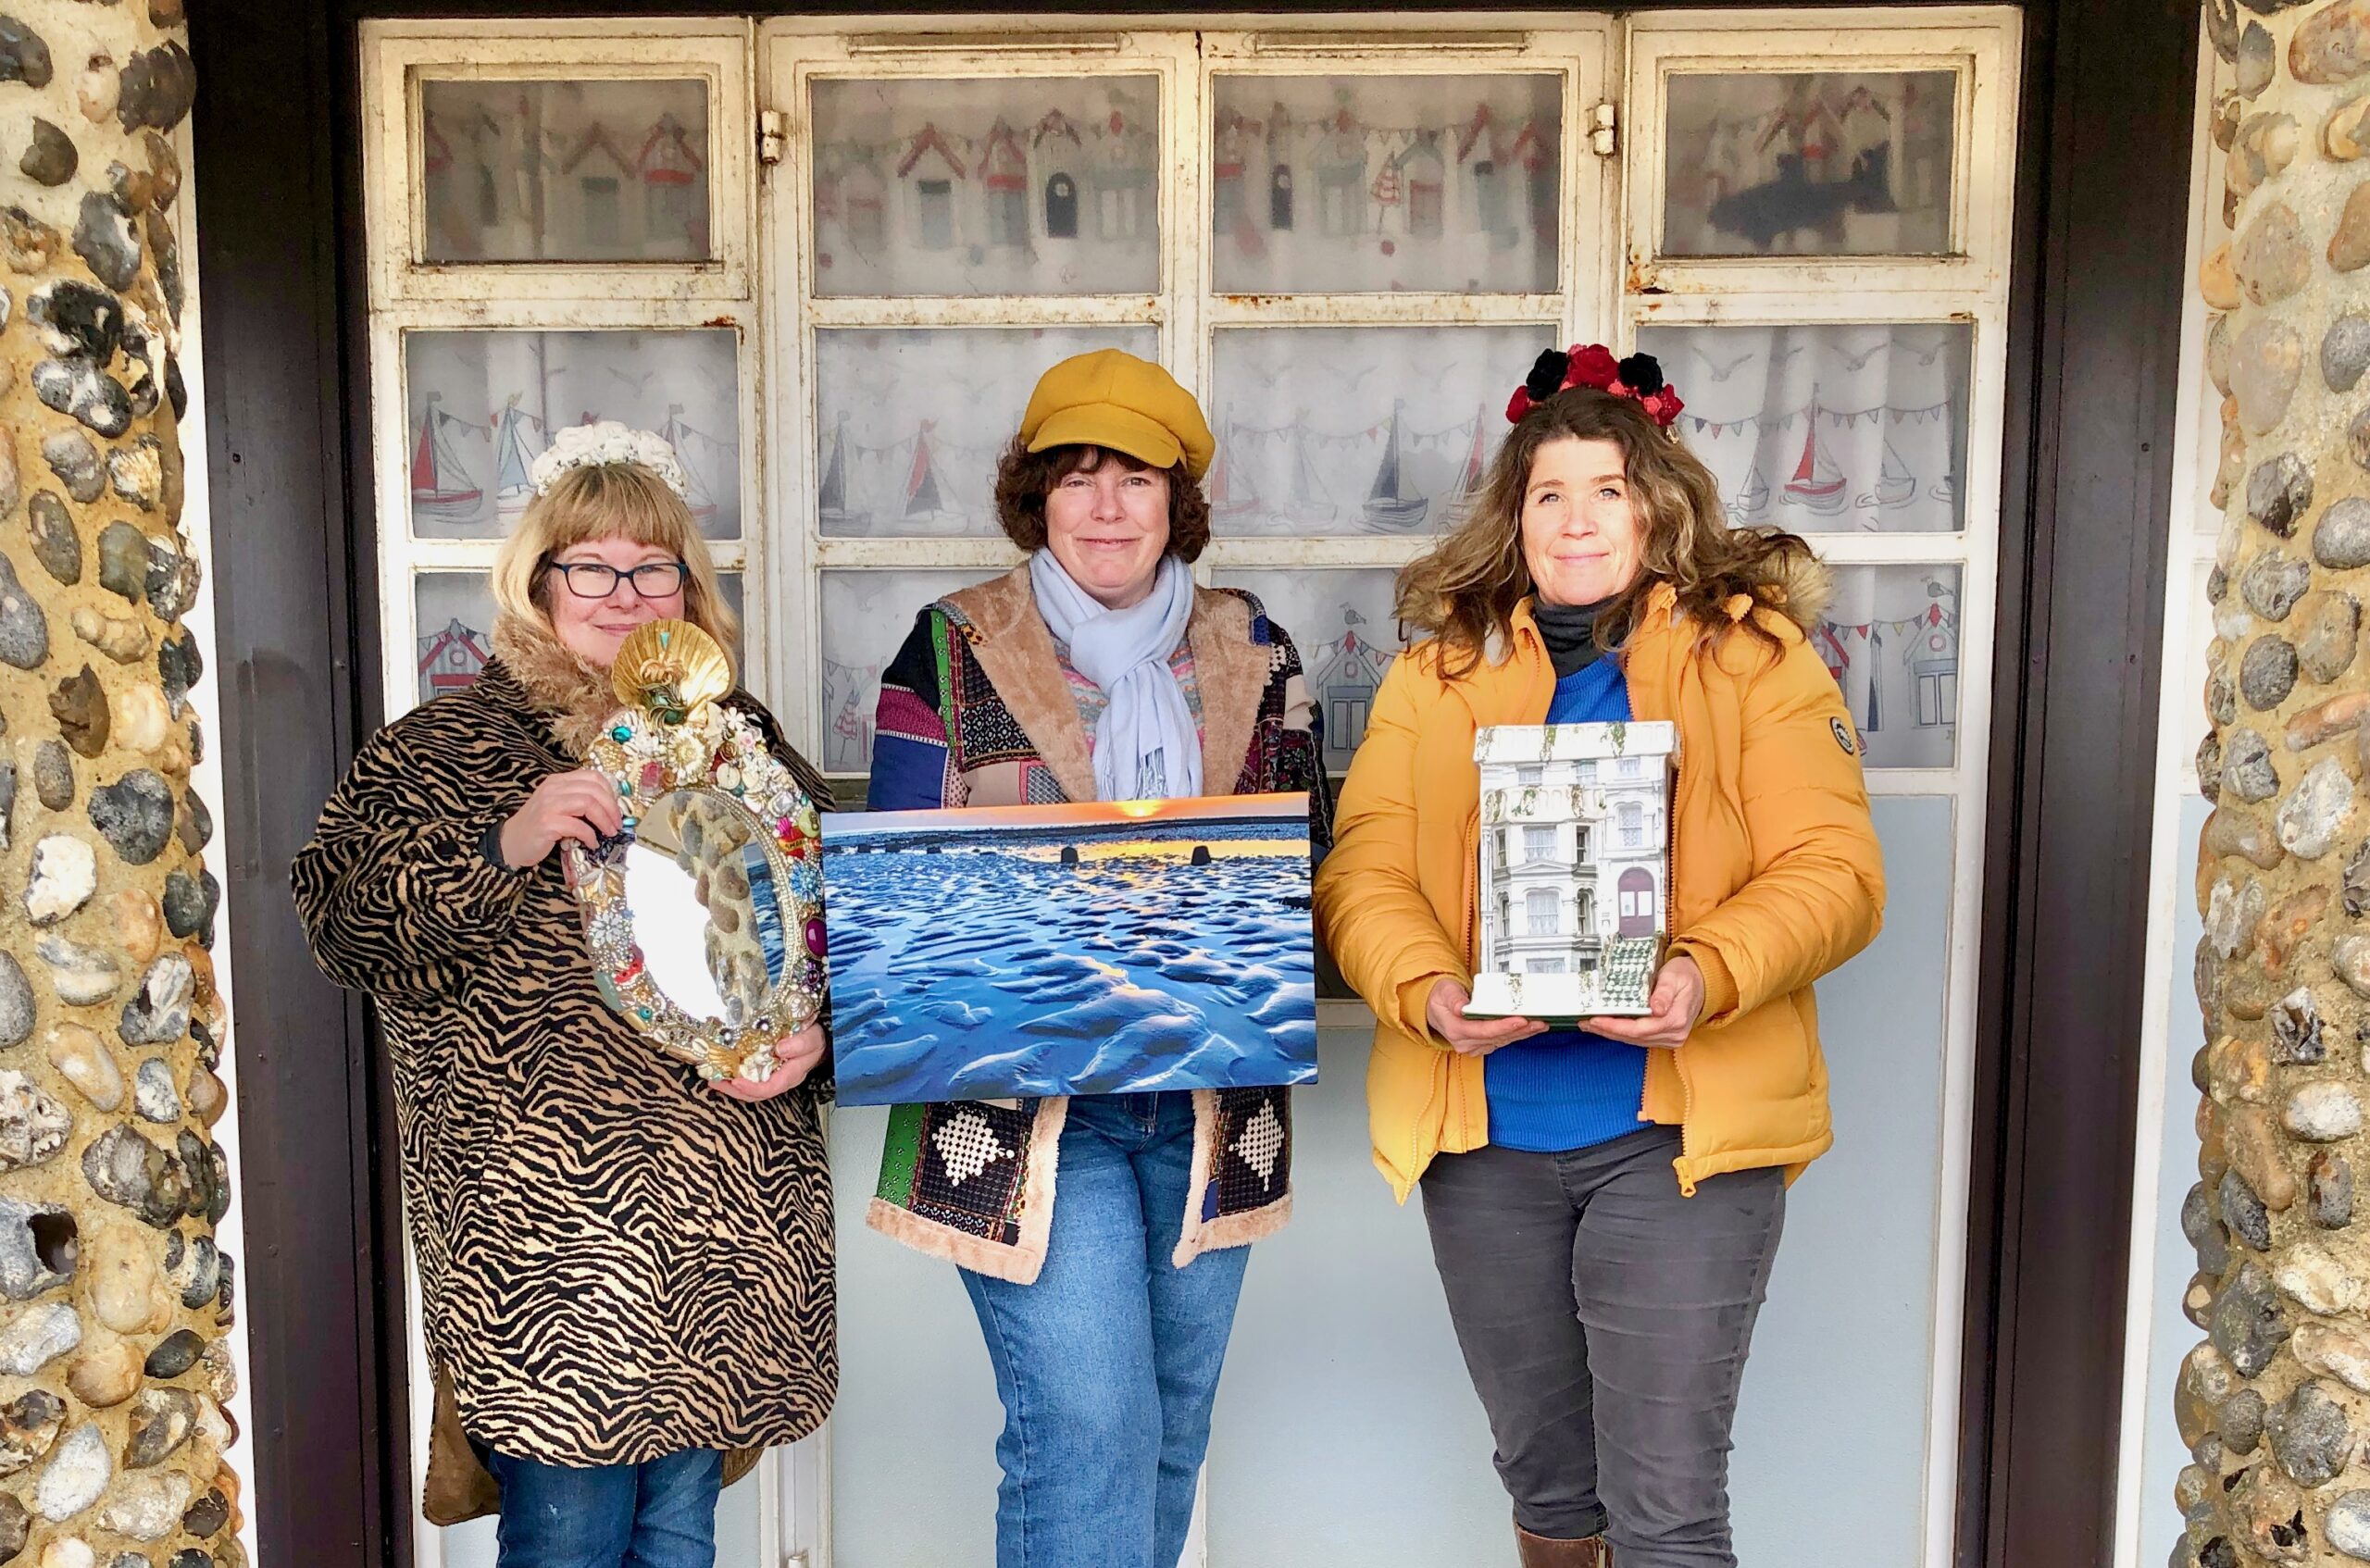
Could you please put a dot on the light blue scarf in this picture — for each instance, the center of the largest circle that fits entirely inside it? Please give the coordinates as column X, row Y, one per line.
column 1145, row 743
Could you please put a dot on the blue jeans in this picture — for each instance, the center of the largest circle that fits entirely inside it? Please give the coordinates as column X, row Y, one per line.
column 660, row 1513
column 1108, row 1364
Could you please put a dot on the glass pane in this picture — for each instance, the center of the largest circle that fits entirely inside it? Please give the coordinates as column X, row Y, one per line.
column 1891, row 641
column 1359, row 429
column 483, row 404
column 1367, row 184
column 912, row 421
column 1018, row 185
column 1342, row 623
column 1834, row 163
column 1859, row 427
column 613, row 170
column 865, row 617
column 453, row 624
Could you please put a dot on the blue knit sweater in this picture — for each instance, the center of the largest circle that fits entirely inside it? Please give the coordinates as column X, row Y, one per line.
column 1568, row 1088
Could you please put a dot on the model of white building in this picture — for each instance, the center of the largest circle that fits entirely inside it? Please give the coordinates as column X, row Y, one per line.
column 1575, row 874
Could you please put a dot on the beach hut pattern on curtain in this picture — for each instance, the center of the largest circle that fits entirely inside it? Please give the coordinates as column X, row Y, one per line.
column 614, row 169
column 1891, row 641
column 1341, row 622
column 986, row 187
column 1449, row 184
column 453, row 615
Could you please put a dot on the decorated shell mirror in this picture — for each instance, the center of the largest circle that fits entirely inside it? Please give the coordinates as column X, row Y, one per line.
column 704, row 913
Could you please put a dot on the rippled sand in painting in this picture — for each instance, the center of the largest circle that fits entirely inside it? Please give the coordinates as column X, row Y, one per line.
column 971, row 961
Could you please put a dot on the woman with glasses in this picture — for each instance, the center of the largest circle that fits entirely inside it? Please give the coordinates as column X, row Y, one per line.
column 626, row 1270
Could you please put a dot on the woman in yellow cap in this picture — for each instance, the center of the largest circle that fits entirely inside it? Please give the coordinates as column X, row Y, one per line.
column 1097, row 670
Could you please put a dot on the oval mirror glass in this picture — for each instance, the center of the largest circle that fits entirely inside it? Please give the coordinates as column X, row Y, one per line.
column 705, row 910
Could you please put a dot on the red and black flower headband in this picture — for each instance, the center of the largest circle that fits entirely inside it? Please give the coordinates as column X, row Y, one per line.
column 1639, row 377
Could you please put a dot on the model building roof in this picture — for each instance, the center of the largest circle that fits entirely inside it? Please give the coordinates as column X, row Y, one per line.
column 1512, row 743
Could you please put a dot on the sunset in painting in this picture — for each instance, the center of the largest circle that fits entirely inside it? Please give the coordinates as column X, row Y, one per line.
column 1167, row 945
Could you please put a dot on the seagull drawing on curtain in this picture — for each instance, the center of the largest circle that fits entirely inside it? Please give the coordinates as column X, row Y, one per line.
column 1856, row 361
column 1722, row 372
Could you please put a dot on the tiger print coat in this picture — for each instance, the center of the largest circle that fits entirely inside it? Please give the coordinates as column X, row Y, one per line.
column 617, row 1262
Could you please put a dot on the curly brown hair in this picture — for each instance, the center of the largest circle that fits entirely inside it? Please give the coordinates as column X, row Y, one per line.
column 1024, row 478
column 1464, row 590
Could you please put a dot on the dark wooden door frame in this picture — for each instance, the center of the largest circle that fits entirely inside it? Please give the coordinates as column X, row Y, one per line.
column 2102, row 229
column 2093, row 354
column 328, row 1456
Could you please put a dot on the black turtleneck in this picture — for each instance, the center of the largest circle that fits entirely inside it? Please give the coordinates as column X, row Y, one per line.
column 1569, row 631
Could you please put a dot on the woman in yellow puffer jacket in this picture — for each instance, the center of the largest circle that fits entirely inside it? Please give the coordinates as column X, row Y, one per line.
column 1605, row 1201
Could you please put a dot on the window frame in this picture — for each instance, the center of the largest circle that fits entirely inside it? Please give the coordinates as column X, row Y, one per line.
column 409, row 295
column 1985, row 46
column 1187, row 311
column 759, row 213
column 397, row 57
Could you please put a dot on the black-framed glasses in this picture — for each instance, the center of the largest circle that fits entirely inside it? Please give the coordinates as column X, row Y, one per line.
column 598, row 580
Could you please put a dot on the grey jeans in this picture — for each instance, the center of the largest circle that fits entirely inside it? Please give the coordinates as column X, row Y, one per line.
column 1604, row 1320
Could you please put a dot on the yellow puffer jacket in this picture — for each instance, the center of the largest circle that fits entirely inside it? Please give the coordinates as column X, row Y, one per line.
column 1777, row 879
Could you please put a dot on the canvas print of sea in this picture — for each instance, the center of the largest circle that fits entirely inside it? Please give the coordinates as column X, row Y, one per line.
column 1098, row 948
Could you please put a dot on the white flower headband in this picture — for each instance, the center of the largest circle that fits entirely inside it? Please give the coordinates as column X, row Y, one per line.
column 580, row 446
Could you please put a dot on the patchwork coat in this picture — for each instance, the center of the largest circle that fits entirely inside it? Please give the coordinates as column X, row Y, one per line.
column 615, row 1261
column 979, row 708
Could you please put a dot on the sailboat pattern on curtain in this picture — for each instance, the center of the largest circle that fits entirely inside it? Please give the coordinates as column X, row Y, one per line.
column 1356, row 431
column 1393, row 507
column 1856, row 428
column 911, row 422
column 485, row 404
column 440, row 488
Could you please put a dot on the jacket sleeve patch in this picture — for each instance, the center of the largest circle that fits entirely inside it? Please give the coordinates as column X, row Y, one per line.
column 1842, row 733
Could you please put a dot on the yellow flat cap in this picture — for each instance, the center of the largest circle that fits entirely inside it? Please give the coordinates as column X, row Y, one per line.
column 1110, row 398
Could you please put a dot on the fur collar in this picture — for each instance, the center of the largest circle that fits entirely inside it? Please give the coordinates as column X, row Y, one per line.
column 1805, row 588
column 569, row 694
column 1014, row 649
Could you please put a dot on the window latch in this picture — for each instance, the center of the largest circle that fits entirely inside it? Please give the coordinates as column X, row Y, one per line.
column 771, row 133
column 1604, row 126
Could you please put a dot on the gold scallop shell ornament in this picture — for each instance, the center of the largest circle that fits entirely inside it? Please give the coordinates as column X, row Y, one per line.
column 670, row 669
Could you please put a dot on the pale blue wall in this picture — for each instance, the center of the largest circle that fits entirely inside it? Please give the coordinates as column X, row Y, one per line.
column 1835, row 1396
column 913, row 1442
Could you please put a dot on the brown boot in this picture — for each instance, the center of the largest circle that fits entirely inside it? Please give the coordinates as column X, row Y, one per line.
column 1540, row 1551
